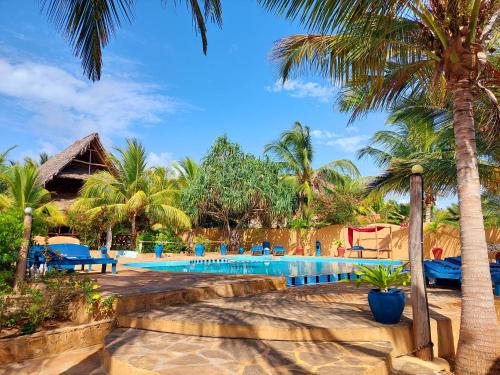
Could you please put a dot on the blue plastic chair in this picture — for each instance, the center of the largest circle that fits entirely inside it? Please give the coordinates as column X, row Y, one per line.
column 318, row 248
column 279, row 250
column 266, row 245
column 256, row 250
column 241, row 250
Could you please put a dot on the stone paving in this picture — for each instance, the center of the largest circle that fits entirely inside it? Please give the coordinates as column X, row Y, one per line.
column 84, row 361
column 164, row 353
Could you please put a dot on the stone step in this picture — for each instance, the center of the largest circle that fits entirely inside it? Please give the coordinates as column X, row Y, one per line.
column 71, row 362
column 266, row 318
column 141, row 352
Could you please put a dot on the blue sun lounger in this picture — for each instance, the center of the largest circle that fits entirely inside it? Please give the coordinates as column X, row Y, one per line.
column 451, row 269
column 279, row 250
column 64, row 255
column 256, row 250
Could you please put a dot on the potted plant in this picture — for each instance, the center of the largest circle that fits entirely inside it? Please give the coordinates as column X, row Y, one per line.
column 340, row 248
column 302, row 225
column 199, row 249
column 161, row 239
column 386, row 301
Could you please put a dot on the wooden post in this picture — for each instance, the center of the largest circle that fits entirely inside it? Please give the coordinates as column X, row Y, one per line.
column 23, row 253
column 421, row 324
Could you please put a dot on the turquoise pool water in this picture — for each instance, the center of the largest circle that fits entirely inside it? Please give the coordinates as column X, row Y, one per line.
column 287, row 266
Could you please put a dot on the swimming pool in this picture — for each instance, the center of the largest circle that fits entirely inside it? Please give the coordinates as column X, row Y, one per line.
column 297, row 270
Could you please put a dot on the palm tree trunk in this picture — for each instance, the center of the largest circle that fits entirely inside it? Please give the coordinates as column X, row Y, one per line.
column 133, row 231
column 109, row 237
column 479, row 340
column 428, row 207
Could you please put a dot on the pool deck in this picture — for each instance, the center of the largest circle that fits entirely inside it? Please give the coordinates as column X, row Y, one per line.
column 187, row 323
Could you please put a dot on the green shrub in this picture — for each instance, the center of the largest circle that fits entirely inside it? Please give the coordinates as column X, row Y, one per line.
column 171, row 242
column 383, row 277
column 11, row 238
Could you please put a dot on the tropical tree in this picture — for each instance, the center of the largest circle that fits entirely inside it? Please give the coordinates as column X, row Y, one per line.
column 428, row 144
column 294, row 151
column 232, row 188
column 134, row 191
column 90, row 24
column 3, row 166
column 186, row 170
column 401, row 48
column 25, row 190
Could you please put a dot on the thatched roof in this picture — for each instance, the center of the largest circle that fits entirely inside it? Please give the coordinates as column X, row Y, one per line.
column 57, row 163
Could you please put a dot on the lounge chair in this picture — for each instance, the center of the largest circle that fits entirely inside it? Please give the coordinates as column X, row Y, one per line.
column 279, row 250
column 256, row 250
column 266, row 245
column 64, row 255
column 451, row 269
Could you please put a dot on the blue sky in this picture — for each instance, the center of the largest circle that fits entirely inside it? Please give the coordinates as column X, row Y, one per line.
column 159, row 87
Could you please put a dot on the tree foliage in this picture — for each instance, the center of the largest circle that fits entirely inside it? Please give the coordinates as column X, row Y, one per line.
column 233, row 187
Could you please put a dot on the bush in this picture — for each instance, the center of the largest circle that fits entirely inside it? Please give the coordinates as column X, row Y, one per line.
column 11, row 238
column 172, row 243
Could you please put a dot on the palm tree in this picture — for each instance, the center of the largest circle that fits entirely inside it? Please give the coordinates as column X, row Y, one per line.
column 420, row 142
column 186, row 170
column 25, row 190
column 401, row 48
column 294, row 150
column 133, row 192
column 3, row 166
column 89, row 24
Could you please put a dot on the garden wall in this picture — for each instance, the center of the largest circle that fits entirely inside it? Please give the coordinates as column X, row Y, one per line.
column 447, row 237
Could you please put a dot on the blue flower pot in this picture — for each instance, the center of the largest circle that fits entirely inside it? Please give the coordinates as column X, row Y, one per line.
column 158, row 250
column 387, row 307
column 199, row 250
column 223, row 249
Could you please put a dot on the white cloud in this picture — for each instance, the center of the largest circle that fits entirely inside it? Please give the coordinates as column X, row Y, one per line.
column 322, row 134
column 162, row 159
column 300, row 89
column 65, row 107
column 329, row 138
column 347, row 143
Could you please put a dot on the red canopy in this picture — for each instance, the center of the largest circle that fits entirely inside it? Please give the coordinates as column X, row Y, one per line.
column 350, row 231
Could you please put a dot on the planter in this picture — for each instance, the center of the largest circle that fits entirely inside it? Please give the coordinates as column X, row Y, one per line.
column 299, row 250
column 340, row 251
column 199, row 250
column 318, row 248
column 158, row 250
column 438, row 252
column 223, row 249
column 387, row 307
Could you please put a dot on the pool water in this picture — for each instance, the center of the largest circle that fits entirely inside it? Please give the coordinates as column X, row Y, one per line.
column 287, row 266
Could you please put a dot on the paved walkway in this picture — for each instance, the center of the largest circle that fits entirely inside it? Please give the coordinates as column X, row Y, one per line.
column 164, row 353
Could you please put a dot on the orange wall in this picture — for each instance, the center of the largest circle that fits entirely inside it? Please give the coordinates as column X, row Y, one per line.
column 447, row 238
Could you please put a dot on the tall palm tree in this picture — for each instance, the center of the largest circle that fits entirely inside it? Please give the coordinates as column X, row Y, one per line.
column 294, row 150
column 89, row 24
column 186, row 170
column 395, row 48
column 421, row 142
column 133, row 192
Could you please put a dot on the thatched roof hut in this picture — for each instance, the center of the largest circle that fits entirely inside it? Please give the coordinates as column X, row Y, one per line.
column 64, row 173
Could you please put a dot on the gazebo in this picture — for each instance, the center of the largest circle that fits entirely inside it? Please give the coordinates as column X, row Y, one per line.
column 369, row 229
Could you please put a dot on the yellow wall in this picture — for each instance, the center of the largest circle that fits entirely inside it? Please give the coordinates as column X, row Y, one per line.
column 448, row 238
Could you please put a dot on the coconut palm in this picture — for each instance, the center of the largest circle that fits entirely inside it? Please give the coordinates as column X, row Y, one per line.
column 294, row 150
column 89, row 24
column 399, row 48
column 186, row 169
column 133, row 192
column 25, row 190
column 420, row 142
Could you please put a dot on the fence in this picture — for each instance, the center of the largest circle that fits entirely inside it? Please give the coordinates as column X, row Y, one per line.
column 447, row 238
